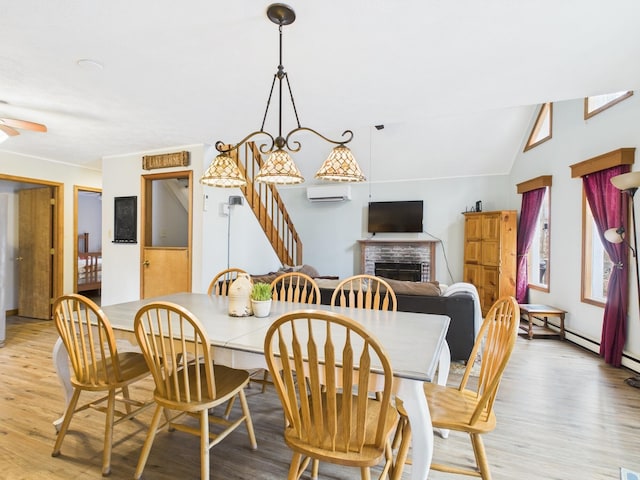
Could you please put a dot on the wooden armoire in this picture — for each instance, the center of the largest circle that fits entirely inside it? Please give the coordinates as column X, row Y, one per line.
column 490, row 254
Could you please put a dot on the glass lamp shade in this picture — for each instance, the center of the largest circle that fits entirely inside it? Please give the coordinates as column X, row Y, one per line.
column 626, row 181
column 223, row 172
column 279, row 169
column 340, row 167
column 614, row 235
column 3, row 136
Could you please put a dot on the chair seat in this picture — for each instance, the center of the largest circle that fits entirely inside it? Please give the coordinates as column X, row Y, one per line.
column 227, row 381
column 178, row 351
column 369, row 456
column 465, row 410
column 132, row 366
column 452, row 409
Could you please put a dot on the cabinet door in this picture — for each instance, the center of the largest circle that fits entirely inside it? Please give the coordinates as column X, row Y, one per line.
column 473, row 227
column 472, row 274
column 491, row 227
column 491, row 253
column 473, row 251
column 490, row 283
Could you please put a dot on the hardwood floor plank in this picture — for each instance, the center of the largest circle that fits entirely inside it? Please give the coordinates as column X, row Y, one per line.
column 562, row 413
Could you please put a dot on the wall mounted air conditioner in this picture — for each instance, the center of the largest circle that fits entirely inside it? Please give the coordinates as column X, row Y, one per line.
column 329, row 193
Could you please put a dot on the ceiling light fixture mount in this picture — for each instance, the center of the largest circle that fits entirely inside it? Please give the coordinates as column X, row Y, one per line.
column 279, row 167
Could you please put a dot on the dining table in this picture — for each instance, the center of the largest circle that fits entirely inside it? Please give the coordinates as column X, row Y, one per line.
column 414, row 342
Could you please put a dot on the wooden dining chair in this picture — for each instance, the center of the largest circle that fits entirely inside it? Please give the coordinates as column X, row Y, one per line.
column 291, row 287
column 178, row 353
column 467, row 409
column 97, row 366
column 219, row 286
column 321, row 365
column 295, row 287
column 222, row 281
column 364, row 291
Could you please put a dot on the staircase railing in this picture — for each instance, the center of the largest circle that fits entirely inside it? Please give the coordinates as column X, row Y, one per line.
column 268, row 207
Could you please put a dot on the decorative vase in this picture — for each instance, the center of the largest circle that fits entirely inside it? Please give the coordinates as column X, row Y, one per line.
column 240, row 296
column 261, row 308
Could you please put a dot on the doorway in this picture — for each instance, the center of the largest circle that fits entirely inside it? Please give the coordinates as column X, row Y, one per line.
column 25, row 267
column 87, row 250
column 167, row 203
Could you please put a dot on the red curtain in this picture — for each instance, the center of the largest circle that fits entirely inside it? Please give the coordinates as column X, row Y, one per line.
column 531, row 203
column 609, row 207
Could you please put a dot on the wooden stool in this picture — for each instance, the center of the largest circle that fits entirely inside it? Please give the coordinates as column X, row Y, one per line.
column 530, row 310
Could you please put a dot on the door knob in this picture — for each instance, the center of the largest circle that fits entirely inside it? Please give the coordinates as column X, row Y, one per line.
column 146, row 263
column 19, row 259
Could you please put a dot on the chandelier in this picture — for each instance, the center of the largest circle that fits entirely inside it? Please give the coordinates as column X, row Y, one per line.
column 279, row 168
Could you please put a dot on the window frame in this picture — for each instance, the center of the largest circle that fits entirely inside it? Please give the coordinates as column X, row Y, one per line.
column 588, row 114
column 621, row 156
column 586, row 267
column 541, row 287
column 543, row 181
column 538, row 125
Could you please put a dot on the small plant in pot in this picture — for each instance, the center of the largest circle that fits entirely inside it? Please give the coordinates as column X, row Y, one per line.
column 261, row 299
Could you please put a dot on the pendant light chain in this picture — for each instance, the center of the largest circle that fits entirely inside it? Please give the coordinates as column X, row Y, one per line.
column 279, row 168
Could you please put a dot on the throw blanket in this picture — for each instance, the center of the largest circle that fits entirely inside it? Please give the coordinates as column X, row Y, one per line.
column 462, row 287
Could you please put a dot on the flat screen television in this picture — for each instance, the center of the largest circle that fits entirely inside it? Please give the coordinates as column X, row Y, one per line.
column 403, row 216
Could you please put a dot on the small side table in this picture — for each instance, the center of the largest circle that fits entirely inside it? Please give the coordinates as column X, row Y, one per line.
column 531, row 310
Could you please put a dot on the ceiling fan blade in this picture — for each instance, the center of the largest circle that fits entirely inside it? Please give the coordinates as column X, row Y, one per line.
column 12, row 122
column 12, row 132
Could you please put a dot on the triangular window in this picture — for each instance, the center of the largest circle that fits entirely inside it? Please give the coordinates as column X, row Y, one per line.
column 541, row 131
column 599, row 103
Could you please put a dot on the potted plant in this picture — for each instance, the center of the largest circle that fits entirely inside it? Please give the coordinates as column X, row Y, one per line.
column 261, row 299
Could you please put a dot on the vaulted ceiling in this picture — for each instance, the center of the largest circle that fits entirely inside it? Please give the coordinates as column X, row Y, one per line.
column 456, row 84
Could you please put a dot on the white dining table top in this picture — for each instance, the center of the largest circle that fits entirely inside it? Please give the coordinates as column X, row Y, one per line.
column 413, row 341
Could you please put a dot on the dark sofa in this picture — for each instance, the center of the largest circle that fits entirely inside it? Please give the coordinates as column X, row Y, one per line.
column 458, row 307
column 417, row 297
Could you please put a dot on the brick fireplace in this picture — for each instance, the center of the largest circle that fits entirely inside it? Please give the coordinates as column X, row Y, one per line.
column 403, row 259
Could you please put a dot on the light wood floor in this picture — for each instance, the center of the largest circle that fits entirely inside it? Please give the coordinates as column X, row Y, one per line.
column 562, row 414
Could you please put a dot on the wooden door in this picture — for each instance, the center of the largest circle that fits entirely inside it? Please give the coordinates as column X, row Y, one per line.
column 35, row 252
column 166, row 233
column 165, row 271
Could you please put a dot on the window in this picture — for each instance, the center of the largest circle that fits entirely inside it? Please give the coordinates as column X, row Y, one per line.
column 538, row 256
column 596, row 265
column 541, row 131
column 599, row 103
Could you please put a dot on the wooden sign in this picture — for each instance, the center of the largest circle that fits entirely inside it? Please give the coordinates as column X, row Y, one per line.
column 165, row 160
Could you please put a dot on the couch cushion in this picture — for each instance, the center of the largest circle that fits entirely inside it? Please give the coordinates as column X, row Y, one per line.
column 403, row 287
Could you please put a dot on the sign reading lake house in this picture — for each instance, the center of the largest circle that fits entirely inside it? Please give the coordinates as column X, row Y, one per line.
column 165, row 160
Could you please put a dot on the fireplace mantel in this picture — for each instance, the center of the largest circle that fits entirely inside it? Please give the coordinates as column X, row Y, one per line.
column 398, row 251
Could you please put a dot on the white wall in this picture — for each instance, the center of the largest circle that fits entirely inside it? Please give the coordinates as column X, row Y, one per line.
column 249, row 248
column 90, row 218
column 121, row 261
column 575, row 140
column 330, row 231
column 236, row 239
column 13, row 165
column 170, row 224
